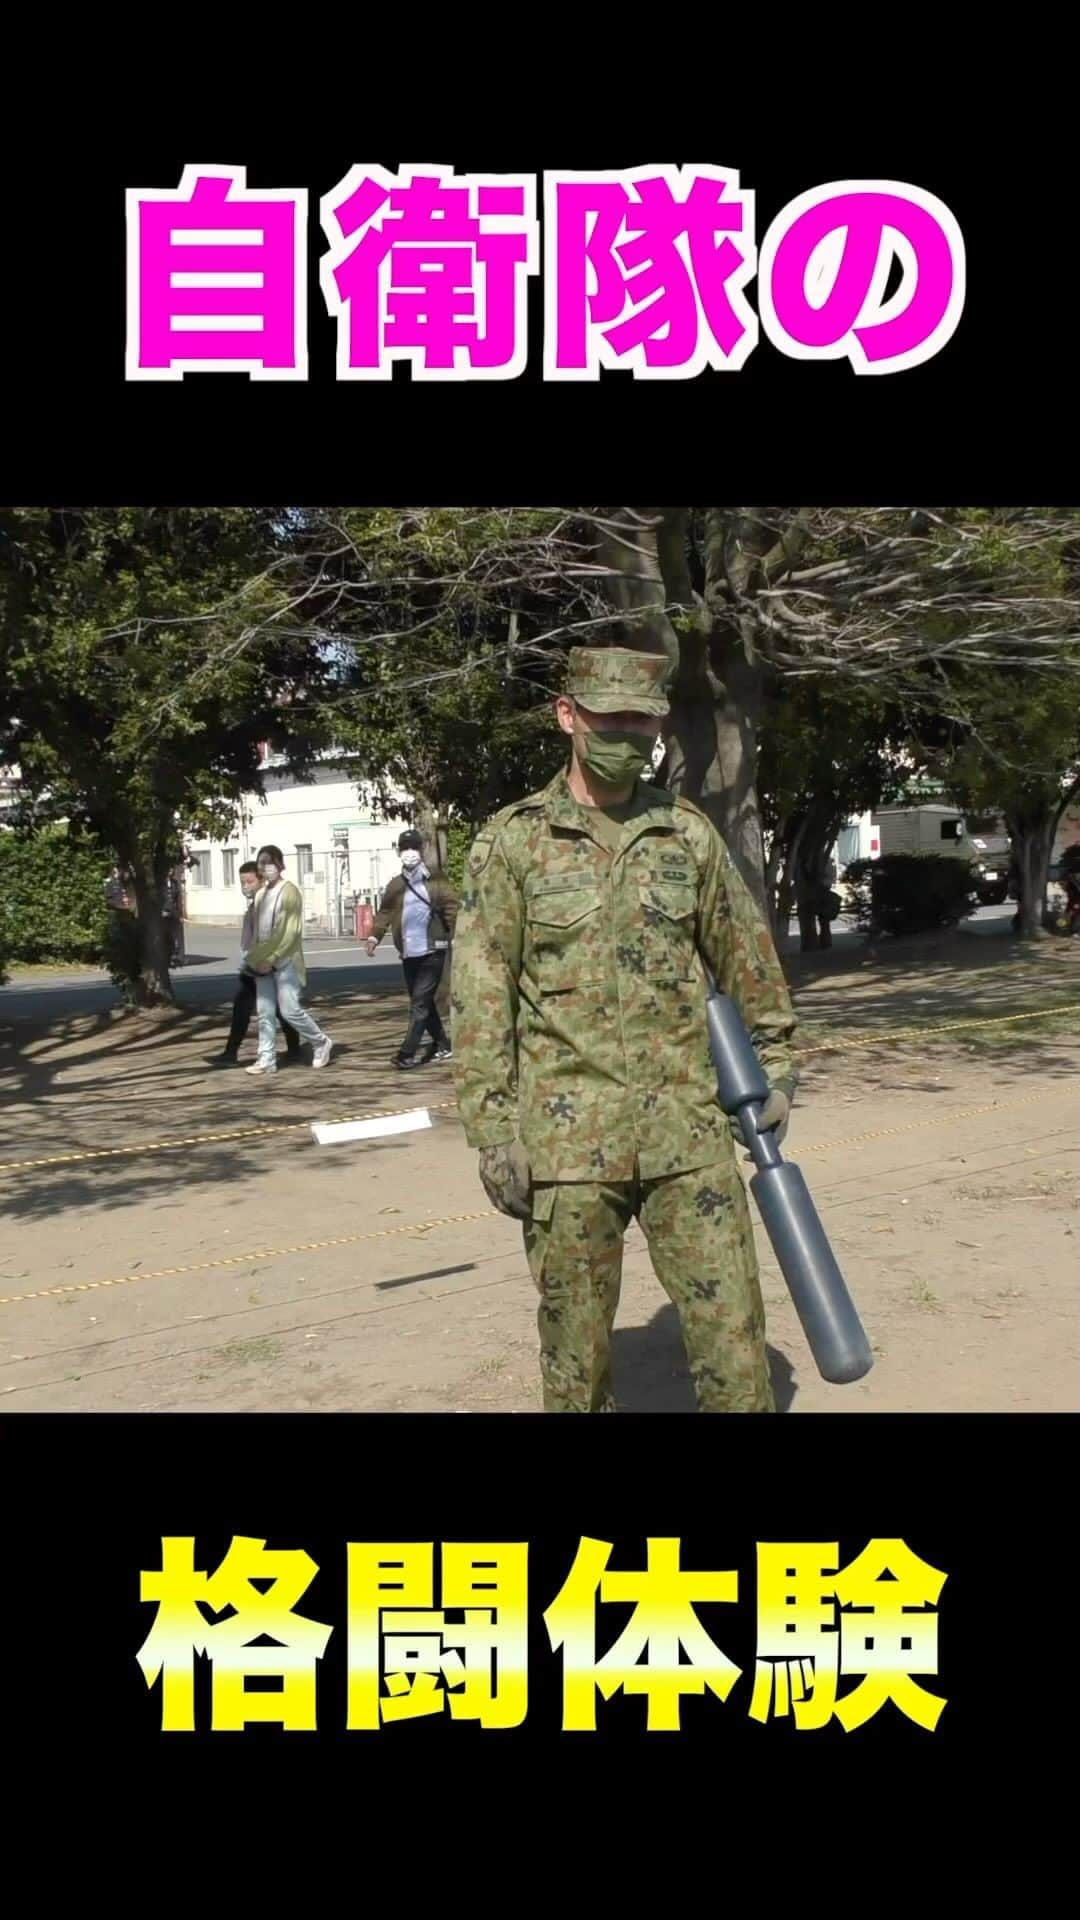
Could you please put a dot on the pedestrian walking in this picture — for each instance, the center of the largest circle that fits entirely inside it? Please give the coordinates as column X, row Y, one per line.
column 420, row 911
column 816, row 901
column 245, row 1002
column 277, row 961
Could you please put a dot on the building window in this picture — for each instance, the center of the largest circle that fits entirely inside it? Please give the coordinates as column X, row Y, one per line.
column 228, row 866
column 200, row 869
column 847, row 846
column 305, row 863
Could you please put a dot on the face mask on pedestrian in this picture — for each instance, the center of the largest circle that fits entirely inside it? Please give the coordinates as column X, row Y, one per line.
column 249, row 884
column 410, row 859
column 270, row 873
column 618, row 756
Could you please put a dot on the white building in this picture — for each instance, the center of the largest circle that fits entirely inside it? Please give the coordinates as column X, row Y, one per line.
column 336, row 845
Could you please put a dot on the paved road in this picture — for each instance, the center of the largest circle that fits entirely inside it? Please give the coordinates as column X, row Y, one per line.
column 992, row 922
column 209, row 977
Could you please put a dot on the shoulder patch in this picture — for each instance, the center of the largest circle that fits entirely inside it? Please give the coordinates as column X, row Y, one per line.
column 480, row 853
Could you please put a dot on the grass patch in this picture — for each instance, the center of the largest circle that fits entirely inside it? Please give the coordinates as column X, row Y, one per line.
column 19, row 974
column 244, row 1353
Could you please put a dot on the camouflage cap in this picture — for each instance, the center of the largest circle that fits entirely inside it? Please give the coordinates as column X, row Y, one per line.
column 618, row 680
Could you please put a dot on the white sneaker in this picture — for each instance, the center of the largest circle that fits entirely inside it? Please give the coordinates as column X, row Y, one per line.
column 322, row 1054
column 257, row 1068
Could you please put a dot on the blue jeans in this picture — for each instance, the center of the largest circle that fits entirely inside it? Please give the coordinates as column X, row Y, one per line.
column 280, row 992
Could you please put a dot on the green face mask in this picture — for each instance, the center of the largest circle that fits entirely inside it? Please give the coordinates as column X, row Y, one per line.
column 616, row 758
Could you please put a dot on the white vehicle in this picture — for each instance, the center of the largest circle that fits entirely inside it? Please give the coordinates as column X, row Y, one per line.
column 930, row 829
column 943, row 829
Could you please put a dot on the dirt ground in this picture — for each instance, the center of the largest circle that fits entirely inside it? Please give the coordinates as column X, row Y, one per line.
column 260, row 1272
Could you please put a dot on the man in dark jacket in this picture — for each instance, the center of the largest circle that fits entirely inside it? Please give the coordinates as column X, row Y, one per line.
column 420, row 913
column 244, row 1003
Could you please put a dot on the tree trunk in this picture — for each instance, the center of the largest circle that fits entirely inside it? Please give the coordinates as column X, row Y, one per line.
column 442, row 992
column 1032, row 835
column 735, row 545
column 789, row 841
column 629, row 543
column 441, row 843
column 717, row 690
column 716, row 696
column 808, row 874
column 150, row 986
column 705, row 745
column 432, row 825
column 729, row 793
column 428, row 826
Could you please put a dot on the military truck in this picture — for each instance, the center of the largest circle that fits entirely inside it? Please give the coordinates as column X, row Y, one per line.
column 944, row 829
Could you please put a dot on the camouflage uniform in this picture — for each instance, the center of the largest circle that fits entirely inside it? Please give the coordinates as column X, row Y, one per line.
column 579, row 1025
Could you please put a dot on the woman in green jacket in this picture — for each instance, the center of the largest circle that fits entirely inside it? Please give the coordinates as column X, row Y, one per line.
column 277, row 961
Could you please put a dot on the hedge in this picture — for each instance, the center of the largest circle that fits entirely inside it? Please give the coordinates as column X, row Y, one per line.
column 52, row 898
column 910, row 892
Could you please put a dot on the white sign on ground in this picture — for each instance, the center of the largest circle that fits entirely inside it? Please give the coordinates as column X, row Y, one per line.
column 332, row 1133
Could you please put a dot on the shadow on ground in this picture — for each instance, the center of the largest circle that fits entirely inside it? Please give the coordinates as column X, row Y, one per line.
column 142, row 1180
column 119, row 1080
column 81, row 1083
column 934, row 983
column 651, row 1374
column 114, row 1049
column 931, row 975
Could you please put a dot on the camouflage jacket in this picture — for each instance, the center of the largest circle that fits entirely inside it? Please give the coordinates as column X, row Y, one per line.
column 579, row 994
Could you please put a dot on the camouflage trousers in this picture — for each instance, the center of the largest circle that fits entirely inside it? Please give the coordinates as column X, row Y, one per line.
column 697, row 1226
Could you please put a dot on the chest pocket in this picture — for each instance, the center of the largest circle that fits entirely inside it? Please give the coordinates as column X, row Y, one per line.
column 669, row 913
column 565, row 934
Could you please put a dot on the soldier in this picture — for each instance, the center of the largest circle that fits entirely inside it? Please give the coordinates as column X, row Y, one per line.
column 581, row 1054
